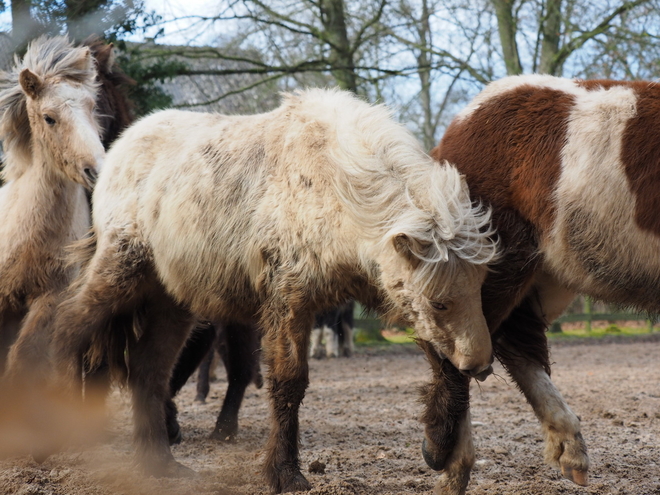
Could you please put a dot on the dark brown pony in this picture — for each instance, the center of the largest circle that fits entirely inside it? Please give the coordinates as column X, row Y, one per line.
column 571, row 171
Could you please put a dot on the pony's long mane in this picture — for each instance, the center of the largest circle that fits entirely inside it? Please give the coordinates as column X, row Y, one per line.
column 49, row 58
column 390, row 187
column 115, row 110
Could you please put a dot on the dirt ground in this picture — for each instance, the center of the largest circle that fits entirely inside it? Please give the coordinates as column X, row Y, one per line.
column 359, row 418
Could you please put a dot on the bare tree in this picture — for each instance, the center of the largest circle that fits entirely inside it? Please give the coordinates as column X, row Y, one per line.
column 562, row 29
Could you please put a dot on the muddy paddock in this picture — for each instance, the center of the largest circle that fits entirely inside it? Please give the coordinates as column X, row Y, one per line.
column 359, row 431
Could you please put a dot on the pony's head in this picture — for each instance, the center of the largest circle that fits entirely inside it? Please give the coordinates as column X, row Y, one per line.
column 49, row 112
column 433, row 263
column 427, row 245
column 432, row 257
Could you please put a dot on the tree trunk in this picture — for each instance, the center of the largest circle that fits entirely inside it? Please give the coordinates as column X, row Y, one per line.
column 79, row 26
column 424, row 72
column 341, row 55
column 23, row 25
column 551, row 30
column 507, row 28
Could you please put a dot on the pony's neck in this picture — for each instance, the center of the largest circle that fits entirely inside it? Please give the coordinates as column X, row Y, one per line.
column 51, row 202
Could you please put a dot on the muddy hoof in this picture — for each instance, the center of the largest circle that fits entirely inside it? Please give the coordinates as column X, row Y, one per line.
column 171, row 469
column 575, row 475
column 40, row 456
column 434, row 462
column 223, row 436
column 174, row 436
column 294, row 483
column 200, row 399
column 258, row 380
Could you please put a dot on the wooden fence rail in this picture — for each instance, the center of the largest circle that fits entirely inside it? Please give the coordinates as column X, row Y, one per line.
column 373, row 324
column 587, row 318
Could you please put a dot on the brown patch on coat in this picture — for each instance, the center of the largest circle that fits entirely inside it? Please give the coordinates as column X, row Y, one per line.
column 640, row 157
column 510, row 150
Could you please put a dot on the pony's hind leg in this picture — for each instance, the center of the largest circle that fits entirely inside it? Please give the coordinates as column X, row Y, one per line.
column 110, row 285
column 10, row 325
column 165, row 328
column 521, row 346
column 28, row 358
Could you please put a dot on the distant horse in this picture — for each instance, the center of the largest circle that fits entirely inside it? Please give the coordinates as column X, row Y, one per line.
column 52, row 156
column 336, row 327
column 274, row 216
column 572, row 172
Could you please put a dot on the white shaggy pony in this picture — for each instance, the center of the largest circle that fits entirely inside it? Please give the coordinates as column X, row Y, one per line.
column 269, row 219
column 53, row 151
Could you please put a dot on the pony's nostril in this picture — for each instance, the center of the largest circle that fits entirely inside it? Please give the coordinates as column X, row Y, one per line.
column 479, row 373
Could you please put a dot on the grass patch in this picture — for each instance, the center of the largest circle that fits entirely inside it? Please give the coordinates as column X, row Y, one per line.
column 598, row 333
column 402, row 338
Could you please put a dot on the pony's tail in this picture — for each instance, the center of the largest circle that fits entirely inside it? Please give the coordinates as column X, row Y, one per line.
column 80, row 252
column 108, row 348
column 108, row 342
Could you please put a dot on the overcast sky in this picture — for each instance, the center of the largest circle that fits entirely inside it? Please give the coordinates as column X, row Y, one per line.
column 184, row 30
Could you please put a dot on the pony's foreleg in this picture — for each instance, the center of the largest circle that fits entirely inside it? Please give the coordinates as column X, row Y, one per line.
column 346, row 343
column 286, row 341
column 447, row 445
column 331, row 342
column 204, row 376
column 521, row 346
column 564, row 446
column 315, row 342
column 28, row 358
column 240, row 358
column 10, row 325
column 166, row 327
column 199, row 345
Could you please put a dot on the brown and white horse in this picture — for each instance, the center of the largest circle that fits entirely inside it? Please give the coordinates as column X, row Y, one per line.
column 572, row 172
column 53, row 154
column 274, row 217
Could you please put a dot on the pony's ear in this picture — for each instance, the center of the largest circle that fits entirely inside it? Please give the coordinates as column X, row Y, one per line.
column 85, row 62
column 404, row 245
column 31, row 83
column 105, row 57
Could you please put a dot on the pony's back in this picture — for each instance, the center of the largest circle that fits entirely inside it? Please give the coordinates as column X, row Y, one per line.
column 189, row 185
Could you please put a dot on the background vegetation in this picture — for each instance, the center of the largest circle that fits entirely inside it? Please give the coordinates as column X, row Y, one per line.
column 424, row 57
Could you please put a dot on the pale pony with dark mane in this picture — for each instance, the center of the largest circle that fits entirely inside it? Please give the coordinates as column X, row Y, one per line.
column 52, row 155
column 270, row 219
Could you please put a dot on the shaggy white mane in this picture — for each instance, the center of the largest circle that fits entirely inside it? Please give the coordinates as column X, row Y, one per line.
column 391, row 187
column 51, row 59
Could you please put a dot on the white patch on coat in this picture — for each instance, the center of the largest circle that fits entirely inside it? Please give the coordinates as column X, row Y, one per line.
column 593, row 184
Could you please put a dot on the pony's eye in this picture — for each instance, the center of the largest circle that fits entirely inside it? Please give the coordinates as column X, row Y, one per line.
column 438, row 305
column 49, row 120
